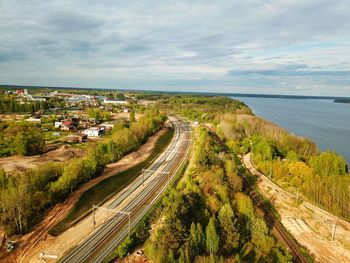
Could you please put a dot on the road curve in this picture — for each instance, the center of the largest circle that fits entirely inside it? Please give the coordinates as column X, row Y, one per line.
column 146, row 191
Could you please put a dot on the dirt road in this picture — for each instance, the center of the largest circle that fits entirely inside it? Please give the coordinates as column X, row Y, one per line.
column 311, row 226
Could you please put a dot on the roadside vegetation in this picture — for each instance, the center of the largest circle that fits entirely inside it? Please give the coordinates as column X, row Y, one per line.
column 25, row 197
column 111, row 185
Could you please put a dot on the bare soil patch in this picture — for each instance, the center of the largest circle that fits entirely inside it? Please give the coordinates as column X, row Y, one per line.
column 22, row 163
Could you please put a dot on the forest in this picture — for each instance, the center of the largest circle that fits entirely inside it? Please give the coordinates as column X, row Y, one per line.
column 206, row 216
column 9, row 104
column 293, row 162
column 25, row 197
column 21, row 138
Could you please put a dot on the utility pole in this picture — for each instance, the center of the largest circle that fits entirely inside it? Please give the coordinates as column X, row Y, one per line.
column 334, row 229
column 129, row 215
column 93, row 216
column 297, row 197
column 117, row 212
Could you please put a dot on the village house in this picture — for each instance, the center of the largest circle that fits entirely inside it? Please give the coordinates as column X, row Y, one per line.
column 93, row 132
column 58, row 124
column 106, row 101
column 76, row 138
column 68, row 126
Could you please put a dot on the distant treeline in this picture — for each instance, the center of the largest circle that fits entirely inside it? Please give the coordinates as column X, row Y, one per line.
column 14, row 106
column 25, row 197
column 342, row 100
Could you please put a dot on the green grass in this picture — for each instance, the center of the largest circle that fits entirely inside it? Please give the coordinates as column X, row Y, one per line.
column 111, row 185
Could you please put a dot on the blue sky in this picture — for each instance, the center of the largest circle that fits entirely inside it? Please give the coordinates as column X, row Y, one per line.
column 278, row 47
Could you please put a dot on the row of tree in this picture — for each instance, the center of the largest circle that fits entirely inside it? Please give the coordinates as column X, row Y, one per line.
column 24, row 197
column 207, row 217
column 202, row 108
column 241, row 126
column 323, row 178
column 10, row 104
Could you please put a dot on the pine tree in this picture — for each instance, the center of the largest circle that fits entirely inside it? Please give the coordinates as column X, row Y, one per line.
column 212, row 236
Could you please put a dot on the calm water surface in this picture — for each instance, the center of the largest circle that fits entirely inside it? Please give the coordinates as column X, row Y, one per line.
column 325, row 122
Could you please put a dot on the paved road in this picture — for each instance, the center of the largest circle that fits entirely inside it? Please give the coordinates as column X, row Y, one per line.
column 145, row 190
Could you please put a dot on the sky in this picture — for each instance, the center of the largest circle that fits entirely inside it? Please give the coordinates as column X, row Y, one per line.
column 266, row 47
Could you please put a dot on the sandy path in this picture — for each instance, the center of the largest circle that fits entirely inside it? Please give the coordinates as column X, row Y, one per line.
column 309, row 224
column 59, row 211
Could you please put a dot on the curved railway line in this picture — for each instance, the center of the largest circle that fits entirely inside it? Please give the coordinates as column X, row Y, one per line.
column 148, row 187
column 277, row 228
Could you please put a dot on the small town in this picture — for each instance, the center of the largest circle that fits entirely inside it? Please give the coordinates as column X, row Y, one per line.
column 66, row 117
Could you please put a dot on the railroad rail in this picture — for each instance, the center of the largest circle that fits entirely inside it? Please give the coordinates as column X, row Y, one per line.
column 147, row 188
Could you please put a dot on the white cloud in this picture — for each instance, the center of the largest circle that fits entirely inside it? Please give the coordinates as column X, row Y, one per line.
column 178, row 44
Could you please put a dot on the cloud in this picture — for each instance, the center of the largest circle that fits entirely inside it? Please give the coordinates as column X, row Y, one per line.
column 243, row 46
column 70, row 22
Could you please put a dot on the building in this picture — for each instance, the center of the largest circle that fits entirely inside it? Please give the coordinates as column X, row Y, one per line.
column 32, row 119
column 68, row 126
column 58, row 124
column 77, row 138
column 106, row 101
column 22, row 91
column 93, row 132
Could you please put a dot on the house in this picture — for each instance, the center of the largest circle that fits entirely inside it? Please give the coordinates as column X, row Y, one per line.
column 22, row 91
column 93, row 132
column 77, row 138
column 106, row 101
column 68, row 126
column 33, row 119
column 58, row 124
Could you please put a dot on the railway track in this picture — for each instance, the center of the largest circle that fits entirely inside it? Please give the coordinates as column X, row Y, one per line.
column 149, row 186
column 278, row 229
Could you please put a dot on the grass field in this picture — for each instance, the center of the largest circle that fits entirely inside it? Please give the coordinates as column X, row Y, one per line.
column 111, row 185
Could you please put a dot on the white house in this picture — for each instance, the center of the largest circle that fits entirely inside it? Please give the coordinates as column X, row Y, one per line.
column 93, row 132
column 31, row 119
column 58, row 124
column 106, row 101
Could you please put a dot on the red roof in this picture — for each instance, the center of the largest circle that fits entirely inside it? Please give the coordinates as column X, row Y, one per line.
column 68, row 123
